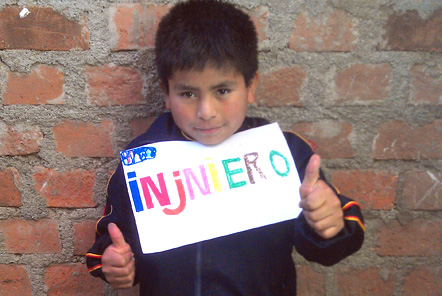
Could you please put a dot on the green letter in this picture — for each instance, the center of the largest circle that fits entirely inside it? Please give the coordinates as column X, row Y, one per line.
column 272, row 154
column 229, row 173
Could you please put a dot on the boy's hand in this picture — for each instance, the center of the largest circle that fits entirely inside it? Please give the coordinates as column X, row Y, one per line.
column 320, row 205
column 118, row 261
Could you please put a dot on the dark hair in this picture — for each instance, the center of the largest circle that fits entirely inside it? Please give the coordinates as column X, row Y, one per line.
column 207, row 32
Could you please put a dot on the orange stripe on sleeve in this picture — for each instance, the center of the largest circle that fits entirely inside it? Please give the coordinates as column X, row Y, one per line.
column 350, row 204
column 93, row 255
column 301, row 137
column 98, row 266
column 356, row 219
column 96, row 224
column 337, row 190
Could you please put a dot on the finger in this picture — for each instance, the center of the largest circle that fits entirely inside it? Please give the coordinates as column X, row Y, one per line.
column 321, row 197
column 117, row 237
column 117, row 272
column 312, row 171
column 330, row 232
column 311, row 177
column 328, row 226
column 126, row 284
column 121, row 282
column 322, row 225
column 312, row 200
column 317, row 215
column 115, row 258
column 120, row 278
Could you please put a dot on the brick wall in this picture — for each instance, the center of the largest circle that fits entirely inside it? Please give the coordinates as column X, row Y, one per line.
column 362, row 80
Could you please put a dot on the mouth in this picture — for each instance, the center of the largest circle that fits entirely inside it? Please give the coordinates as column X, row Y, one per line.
column 208, row 131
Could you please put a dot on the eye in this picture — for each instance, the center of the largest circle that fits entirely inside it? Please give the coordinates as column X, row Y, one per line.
column 223, row 91
column 187, row 94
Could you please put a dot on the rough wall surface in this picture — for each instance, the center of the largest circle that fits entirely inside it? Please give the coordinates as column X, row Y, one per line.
column 361, row 79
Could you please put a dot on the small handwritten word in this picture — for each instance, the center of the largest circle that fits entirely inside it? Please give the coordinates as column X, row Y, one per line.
column 136, row 155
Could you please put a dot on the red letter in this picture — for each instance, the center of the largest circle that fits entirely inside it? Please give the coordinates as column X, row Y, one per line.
column 181, row 194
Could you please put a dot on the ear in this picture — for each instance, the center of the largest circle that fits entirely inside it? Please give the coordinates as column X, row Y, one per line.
column 165, row 93
column 252, row 88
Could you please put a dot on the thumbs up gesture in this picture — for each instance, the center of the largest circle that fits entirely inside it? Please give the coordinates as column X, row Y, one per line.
column 118, row 264
column 321, row 207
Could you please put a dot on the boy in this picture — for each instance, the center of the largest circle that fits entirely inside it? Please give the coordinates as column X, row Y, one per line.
column 206, row 57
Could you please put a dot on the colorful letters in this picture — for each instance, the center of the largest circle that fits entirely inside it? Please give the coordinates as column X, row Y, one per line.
column 233, row 170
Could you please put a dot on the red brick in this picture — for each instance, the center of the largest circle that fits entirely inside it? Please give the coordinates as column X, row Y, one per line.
column 133, row 26
column 14, row 281
column 259, row 17
column 72, row 279
column 407, row 31
column 114, row 85
column 371, row 188
column 10, row 185
column 26, row 236
column 140, row 125
column 334, row 31
column 84, row 236
column 417, row 238
column 369, row 281
column 423, row 190
column 44, row 85
column 363, row 83
column 398, row 140
column 309, row 282
column 425, row 88
column 77, row 139
column 330, row 137
column 19, row 139
column 43, row 29
column 282, row 87
column 423, row 280
column 72, row 189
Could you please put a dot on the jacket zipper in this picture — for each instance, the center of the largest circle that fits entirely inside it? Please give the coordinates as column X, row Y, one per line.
column 199, row 267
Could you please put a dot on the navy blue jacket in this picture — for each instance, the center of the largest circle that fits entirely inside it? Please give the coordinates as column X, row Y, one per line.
column 256, row 262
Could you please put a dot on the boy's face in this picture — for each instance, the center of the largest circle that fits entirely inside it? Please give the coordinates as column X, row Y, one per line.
column 209, row 105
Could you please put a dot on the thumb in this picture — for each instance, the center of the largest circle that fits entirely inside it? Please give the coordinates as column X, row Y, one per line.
column 117, row 237
column 312, row 172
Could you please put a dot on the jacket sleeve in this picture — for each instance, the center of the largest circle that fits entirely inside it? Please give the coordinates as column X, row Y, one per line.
column 307, row 242
column 118, row 210
column 330, row 251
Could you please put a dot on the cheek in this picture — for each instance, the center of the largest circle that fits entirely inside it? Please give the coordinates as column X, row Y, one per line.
column 235, row 115
column 239, row 109
column 181, row 114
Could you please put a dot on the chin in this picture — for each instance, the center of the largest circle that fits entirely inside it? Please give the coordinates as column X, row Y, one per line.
column 210, row 142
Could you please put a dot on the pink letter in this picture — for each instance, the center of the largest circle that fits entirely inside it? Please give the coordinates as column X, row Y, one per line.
column 162, row 196
column 189, row 173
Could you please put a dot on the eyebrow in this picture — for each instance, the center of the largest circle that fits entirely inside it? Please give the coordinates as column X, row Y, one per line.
column 185, row 86
column 222, row 84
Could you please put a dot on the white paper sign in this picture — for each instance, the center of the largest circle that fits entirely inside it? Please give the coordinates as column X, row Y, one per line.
column 186, row 192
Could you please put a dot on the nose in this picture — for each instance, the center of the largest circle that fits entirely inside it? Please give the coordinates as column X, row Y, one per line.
column 207, row 108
